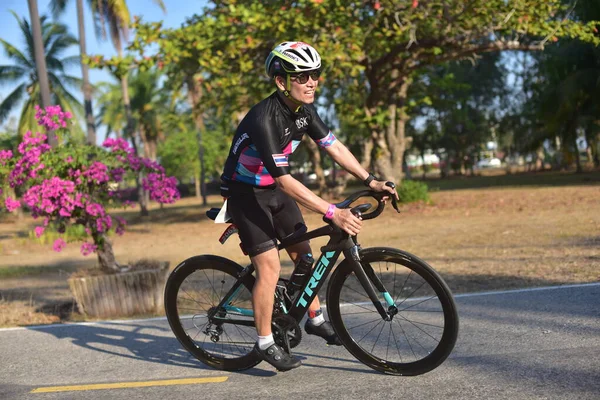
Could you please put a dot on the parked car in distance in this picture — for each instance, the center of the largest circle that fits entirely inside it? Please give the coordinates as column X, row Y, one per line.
column 489, row 163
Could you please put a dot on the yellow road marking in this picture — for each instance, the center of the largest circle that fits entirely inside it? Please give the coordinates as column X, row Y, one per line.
column 126, row 385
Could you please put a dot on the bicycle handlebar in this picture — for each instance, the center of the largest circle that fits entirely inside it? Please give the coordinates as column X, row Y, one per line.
column 360, row 209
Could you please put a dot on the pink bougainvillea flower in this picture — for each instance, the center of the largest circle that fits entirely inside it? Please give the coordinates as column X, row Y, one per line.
column 39, row 231
column 59, row 244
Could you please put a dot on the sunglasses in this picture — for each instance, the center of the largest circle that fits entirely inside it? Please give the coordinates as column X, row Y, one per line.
column 302, row 78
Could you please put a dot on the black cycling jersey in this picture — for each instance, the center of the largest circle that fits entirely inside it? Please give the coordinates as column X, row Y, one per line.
column 265, row 138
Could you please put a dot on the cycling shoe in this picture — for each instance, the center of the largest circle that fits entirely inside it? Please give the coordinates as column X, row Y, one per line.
column 325, row 330
column 277, row 357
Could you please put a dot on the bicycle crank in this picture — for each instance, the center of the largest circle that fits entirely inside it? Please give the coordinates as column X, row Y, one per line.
column 285, row 328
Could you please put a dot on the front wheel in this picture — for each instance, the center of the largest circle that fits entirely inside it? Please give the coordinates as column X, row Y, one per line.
column 423, row 327
column 193, row 291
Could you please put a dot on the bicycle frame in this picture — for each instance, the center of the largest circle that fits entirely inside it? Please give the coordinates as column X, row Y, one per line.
column 339, row 242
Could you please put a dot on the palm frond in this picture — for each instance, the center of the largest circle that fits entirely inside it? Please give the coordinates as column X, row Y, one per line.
column 27, row 121
column 59, row 89
column 57, row 7
column 11, row 74
column 71, row 61
column 11, row 101
column 14, row 54
column 161, row 4
column 59, row 43
column 68, row 80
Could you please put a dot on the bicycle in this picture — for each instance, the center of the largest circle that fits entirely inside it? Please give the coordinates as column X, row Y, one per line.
column 379, row 300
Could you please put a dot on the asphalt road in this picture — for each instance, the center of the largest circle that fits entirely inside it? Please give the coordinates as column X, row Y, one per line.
column 529, row 344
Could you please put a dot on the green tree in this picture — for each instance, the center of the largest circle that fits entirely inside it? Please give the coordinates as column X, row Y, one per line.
column 373, row 51
column 24, row 74
column 111, row 13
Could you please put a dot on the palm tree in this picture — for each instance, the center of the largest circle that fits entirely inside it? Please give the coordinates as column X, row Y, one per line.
column 115, row 14
column 42, row 70
column 24, row 74
column 58, row 7
column 147, row 101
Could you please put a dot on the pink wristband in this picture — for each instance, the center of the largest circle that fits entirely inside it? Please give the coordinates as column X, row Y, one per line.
column 330, row 211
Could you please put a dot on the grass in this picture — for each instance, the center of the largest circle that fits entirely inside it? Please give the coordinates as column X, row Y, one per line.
column 481, row 233
column 498, row 179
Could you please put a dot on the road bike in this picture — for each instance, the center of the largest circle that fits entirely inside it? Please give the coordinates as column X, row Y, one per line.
column 390, row 309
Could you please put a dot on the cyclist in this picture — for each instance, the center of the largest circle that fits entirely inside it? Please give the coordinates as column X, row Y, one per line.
column 261, row 194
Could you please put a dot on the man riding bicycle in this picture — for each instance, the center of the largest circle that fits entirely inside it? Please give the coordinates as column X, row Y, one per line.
column 261, row 194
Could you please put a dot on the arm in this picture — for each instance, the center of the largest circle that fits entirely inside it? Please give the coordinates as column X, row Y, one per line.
column 303, row 195
column 346, row 160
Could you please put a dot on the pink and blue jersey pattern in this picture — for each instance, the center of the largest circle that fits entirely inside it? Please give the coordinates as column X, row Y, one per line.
column 265, row 139
column 250, row 168
column 326, row 141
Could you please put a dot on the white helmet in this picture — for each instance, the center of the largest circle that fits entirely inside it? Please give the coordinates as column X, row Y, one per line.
column 292, row 57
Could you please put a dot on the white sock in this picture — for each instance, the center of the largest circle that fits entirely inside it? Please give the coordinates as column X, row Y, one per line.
column 264, row 342
column 318, row 320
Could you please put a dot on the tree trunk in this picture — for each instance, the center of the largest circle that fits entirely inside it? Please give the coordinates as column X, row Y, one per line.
column 197, row 184
column 577, row 157
column 194, row 97
column 87, row 89
column 40, row 62
column 390, row 143
column 106, row 255
column 423, row 158
column 130, row 132
column 596, row 150
column 138, row 184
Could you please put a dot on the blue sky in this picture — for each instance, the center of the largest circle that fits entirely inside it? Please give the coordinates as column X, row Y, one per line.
column 177, row 12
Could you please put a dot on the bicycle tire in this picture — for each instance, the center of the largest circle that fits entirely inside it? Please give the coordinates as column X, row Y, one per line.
column 432, row 313
column 187, row 292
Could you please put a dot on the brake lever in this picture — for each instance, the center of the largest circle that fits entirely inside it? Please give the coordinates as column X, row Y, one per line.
column 394, row 201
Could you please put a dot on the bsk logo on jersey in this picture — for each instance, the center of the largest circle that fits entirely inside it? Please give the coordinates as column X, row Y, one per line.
column 280, row 160
column 301, row 122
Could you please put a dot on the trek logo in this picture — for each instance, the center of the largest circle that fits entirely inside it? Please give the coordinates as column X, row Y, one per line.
column 301, row 122
column 315, row 278
column 239, row 141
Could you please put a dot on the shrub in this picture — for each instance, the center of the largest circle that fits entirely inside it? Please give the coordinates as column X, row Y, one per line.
column 411, row 191
column 73, row 185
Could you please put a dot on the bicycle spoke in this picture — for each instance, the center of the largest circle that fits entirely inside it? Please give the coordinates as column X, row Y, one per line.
column 360, row 340
column 363, row 324
column 415, row 340
column 356, row 291
column 403, row 286
column 359, row 306
column 419, row 328
column 421, row 302
column 407, row 340
column 396, row 341
column 402, row 302
column 376, row 340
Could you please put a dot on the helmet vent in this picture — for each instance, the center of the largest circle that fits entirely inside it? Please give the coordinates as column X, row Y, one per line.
column 307, row 51
column 298, row 54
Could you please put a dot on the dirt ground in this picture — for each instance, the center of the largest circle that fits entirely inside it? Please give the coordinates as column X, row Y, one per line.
column 479, row 239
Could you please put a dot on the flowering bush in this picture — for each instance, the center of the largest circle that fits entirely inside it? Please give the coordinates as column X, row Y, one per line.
column 75, row 184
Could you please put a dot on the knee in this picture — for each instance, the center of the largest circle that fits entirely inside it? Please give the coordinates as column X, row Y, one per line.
column 267, row 268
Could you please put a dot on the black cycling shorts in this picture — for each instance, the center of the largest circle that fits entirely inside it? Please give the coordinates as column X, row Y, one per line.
column 263, row 215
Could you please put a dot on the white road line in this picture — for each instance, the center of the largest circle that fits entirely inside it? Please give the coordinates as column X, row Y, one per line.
column 457, row 296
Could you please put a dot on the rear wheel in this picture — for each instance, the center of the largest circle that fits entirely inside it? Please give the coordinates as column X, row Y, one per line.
column 194, row 289
column 424, row 324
